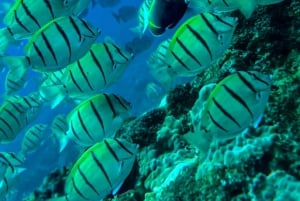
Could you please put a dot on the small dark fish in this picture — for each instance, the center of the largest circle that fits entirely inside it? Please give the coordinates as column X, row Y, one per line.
column 165, row 14
column 139, row 44
column 125, row 13
column 107, row 3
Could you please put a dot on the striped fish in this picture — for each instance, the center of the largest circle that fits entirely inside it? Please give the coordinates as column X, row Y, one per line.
column 53, row 78
column 25, row 17
column 234, row 104
column 96, row 118
column 108, row 163
column 15, row 81
column 218, row 6
column 198, row 42
column 32, row 138
column 99, row 68
column 56, row 45
column 16, row 113
column 143, row 18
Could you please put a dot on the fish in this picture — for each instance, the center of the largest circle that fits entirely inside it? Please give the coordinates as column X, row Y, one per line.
column 165, row 14
column 16, row 113
column 107, row 3
column 94, row 119
column 10, row 160
column 53, row 78
column 233, row 104
column 143, row 18
column 15, row 81
column 26, row 17
column 139, row 44
column 219, row 6
column 197, row 43
column 125, row 13
column 108, row 163
column 32, row 139
column 103, row 65
column 56, row 45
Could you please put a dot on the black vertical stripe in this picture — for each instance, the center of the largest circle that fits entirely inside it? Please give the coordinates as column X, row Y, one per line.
column 201, row 39
column 109, row 54
column 124, row 147
column 111, row 150
column 98, row 65
column 10, row 31
column 187, row 51
column 120, row 52
column 74, row 81
column 180, row 61
column 39, row 53
column 13, row 116
column 225, row 2
column 6, row 184
column 7, row 124
column 17, row 108
column 258, row 78
column 99, row 164
column 3, row 132
column 49, row 46
column 65, row 37
column 73, row 23
column 87, row 181
column 209, row 25
column 20, row 23
column 85, row 24
column 27, row 11
column 223, row 21
column 246, row 82
column 83, row 126
column 84, row 75
column 7, row 162
column 77, row 190
column 98, row 116
column 74, row 131
column 239, row 99
column 49, row 6
column 15, row 157
column 227, row 114
column 31, row 141
column 215, row 122
column 121, row 102
column 111, row 106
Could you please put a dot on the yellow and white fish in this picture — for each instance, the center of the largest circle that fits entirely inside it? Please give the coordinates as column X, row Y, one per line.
column 15, row 81
column 201, row 40
column 143, row 18
column 32, row 138
column 235, row 103
column 108, row 163
column 59, row 126
column 25, row 17
column 99, row 68
column 94, row 119
column 16, row 113
column 218, row 6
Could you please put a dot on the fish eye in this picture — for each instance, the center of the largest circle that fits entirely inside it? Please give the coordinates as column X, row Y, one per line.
column 209, row 2
column 66, row 2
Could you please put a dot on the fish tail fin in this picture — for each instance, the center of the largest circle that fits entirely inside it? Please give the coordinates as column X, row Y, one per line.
column 54, row 94
column 116, row 16
column 247, row 7
column 268, row 2
column 63, row 142
column 5, row 39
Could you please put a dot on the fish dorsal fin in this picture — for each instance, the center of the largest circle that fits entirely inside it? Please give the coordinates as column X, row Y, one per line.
column 11, row 13
column 38, row 33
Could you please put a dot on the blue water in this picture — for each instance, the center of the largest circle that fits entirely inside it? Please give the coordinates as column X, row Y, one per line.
column 131, row 86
